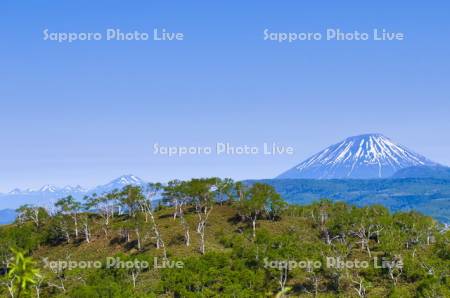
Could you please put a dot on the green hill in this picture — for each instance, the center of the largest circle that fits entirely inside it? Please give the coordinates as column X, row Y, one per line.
column 243, row 242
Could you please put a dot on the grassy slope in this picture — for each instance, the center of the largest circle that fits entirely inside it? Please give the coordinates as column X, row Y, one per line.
column 221, row 222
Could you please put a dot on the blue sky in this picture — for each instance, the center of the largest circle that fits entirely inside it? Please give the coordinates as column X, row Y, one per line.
column 86, row 112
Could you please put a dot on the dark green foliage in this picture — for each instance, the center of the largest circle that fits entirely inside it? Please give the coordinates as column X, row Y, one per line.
column 214, row 275
column 24, row 237
column 103, row 284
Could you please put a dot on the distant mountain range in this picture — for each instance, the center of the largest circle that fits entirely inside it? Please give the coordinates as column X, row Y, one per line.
column 48, row 189
column 48, row 194
column 365, row 156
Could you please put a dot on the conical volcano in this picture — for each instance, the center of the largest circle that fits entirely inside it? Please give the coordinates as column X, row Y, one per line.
column 359, row 157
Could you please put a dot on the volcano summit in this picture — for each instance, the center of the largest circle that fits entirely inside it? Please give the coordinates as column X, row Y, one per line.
column 360, row 157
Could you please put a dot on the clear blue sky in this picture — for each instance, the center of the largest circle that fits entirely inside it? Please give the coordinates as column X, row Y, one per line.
column 86, row 112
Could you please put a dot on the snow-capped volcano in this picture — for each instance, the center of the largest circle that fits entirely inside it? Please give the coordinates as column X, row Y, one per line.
column 48, row 188
column 359, row 157
column 118, row 184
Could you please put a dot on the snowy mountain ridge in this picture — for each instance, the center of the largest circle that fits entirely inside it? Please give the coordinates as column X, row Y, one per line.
column 49, row 188
column 47, row 194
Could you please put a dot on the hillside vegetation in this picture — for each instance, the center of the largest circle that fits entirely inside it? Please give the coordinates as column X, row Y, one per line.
column 218, row 238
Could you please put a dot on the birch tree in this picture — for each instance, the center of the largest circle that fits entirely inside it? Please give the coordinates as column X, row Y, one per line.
column 31, row 213
column 202, row 193
column 261, row 198
column 69, row 206
column 177, row 194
